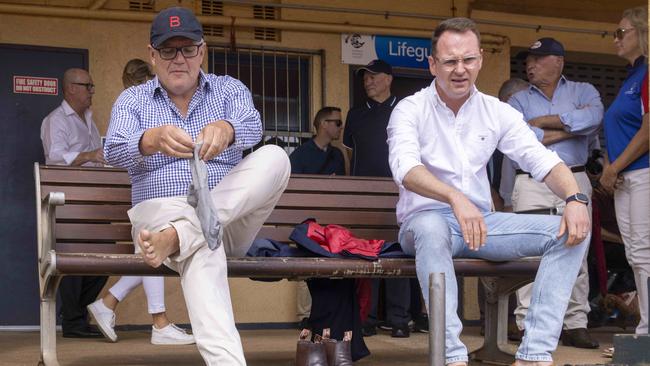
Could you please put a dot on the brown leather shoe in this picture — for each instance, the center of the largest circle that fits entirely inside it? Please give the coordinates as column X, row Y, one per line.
column 578, row 338
column 310, row 353
column 338, row 352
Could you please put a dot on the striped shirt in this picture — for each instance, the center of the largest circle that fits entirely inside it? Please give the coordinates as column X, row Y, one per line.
column 146, row 106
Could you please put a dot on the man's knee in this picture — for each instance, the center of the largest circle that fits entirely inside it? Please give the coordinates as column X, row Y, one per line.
column 427, row 232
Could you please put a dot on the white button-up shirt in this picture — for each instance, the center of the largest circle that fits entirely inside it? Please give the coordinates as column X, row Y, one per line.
column 456, row 149
column 65, row 135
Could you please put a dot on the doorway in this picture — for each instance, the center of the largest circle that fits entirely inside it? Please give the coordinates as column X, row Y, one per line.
column 24, row 102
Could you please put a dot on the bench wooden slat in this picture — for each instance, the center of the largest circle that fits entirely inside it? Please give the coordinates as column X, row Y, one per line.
column 360, row 185
column 108, row 195
column 89, row 176
column 349, row 219
column 324, row 201
column 93, row 232
column 94, row 248
column 77, row 212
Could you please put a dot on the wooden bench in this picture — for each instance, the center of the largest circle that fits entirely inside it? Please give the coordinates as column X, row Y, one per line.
column 83, row 229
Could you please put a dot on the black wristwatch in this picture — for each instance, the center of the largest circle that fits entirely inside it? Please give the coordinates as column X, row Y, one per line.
column 578, row 197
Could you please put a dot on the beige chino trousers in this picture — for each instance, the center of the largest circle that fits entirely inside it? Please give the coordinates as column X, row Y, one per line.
column 244, row 200
column 528, row 194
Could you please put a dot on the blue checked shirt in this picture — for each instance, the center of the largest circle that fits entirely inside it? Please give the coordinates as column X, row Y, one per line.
column 147, row 106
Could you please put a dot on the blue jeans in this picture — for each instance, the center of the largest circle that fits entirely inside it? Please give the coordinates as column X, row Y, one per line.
column 434, row 238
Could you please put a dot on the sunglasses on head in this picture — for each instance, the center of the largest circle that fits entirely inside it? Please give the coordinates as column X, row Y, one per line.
column 338, row 122
column 620, row 32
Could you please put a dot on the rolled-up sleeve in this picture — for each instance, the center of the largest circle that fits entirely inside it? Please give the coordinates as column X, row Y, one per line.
column 55, row 142
column 586, row 118
column 403, row 144
column 520, row 144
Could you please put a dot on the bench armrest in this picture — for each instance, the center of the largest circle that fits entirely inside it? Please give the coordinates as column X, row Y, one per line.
column 46, row 223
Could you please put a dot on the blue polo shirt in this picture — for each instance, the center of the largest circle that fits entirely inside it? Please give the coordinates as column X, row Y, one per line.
column 624, row 117
column 308, row 158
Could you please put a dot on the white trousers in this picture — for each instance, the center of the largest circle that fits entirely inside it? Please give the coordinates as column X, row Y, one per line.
column 528, row 194
column 632, row 204
column 154, row 289
column 244, row 200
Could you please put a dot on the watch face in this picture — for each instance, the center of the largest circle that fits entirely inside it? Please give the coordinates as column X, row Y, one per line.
column 581, row 197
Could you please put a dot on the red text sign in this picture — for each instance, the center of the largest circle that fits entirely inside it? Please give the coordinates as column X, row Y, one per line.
column 36, row 85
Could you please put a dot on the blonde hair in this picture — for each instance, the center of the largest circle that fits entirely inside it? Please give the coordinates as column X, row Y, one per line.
column 136, row 72
column 638, row 17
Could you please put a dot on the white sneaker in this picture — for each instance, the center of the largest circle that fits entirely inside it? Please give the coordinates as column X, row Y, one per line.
column 105, row 319
column 170, row 335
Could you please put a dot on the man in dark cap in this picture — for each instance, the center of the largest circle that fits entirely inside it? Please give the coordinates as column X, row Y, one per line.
column 186, row 118
column 365, row 136
column 564, row 115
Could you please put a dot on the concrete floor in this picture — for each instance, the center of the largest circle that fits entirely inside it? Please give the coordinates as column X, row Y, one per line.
column 262, row 347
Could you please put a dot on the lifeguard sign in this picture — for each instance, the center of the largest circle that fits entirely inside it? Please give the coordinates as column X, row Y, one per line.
column 35, row 85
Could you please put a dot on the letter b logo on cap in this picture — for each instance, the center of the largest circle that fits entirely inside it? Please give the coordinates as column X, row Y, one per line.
column 174, row 21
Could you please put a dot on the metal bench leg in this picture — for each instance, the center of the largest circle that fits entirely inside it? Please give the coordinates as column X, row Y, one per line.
column 437, row 326
column 48, row 322
column 495, row 346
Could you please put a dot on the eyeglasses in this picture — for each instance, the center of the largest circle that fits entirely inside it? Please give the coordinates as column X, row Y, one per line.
column 620, row 32
column 469, row 62
column 169, row 53
column 338, row 122
column 89, row 86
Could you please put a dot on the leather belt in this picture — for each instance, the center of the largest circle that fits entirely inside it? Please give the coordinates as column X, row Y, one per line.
column 575, row 169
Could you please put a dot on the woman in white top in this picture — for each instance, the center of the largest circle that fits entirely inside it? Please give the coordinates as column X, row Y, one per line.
column 163, row 332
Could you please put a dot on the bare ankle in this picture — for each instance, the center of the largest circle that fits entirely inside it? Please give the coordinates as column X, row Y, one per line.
column 160, row 320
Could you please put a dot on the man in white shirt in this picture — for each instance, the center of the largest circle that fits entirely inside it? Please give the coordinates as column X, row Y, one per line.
column 440, row 140
column 70, row 137
column 69, row 134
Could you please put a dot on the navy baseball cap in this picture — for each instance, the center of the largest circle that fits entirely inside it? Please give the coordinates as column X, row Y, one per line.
column 375, row 67
column 543, row 47
column 175, row 22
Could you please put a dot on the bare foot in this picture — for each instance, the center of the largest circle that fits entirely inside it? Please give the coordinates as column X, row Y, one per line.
column 460, row 363
column 156, row 247
column 532, row 363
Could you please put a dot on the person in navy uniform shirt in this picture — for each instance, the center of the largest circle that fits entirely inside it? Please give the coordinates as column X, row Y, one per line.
column 318, row 156
column 365, row 136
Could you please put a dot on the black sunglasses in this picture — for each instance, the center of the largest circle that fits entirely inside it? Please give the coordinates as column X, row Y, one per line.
column 169, row 53
column 338, row 122
column 620, row 32
column 89, row 86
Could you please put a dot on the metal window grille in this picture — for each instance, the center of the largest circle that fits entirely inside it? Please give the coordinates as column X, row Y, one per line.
column 281, row 82
column 212, row 7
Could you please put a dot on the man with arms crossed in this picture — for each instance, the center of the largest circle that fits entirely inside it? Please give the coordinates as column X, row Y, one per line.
column 564, row 115
column 152, row 133
column 440, row 140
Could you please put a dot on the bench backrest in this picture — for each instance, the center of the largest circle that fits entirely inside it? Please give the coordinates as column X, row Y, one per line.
column 94, row 217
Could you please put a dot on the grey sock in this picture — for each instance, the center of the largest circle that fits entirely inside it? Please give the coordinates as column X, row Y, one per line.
column 198, row 196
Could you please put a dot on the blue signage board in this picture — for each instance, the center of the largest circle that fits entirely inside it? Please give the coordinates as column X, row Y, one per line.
column 404, row 52
column 359, row 49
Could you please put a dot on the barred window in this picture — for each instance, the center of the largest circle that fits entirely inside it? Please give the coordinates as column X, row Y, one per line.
column 281, row 83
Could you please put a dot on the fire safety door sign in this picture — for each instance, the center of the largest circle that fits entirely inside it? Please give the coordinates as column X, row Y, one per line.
column 35, row 85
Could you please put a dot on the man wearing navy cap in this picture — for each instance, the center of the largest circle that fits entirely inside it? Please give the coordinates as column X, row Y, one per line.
column 564, row 116
column 154, row 133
